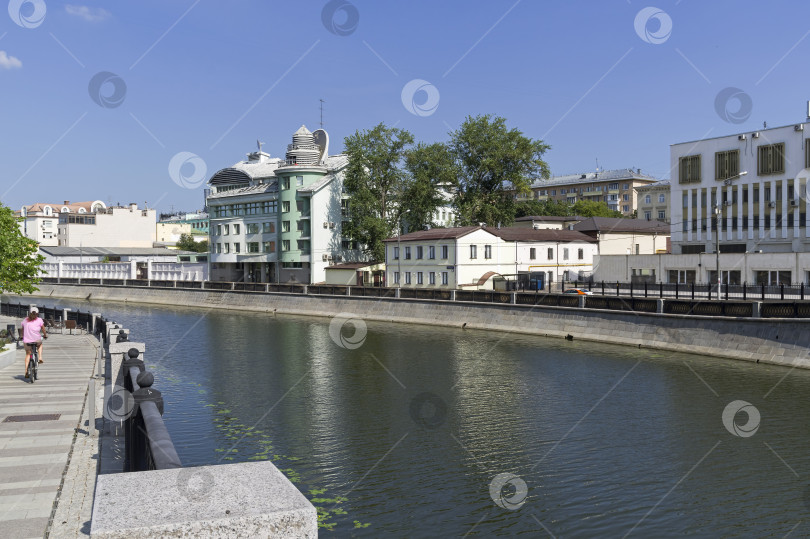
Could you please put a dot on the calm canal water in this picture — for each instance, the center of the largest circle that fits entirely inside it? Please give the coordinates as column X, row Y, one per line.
column 412, row 427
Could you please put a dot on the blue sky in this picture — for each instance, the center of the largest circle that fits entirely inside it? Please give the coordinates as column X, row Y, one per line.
column 208, row 78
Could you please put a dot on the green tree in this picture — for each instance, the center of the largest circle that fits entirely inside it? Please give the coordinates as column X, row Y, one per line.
column 375, row 179
column 543, row 207
column 494, row 162
column 431, row 170
column 19, row 258
column 187, row 243
column 590, row 208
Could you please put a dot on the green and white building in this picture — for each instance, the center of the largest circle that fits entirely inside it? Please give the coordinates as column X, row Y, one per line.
column 274, row 220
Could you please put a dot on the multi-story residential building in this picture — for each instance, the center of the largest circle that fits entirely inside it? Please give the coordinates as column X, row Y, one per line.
column 198, row 221
column 115, row 226
column 763, row 210
column 275, row 220
column 471, row 256
column 40, row 221
column 616, row 188
column 653, row 201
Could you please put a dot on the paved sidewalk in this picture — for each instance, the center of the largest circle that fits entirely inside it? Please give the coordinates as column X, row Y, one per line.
column 34, row 455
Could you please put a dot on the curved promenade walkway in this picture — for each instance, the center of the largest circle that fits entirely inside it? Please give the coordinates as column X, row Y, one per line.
column 48, row 465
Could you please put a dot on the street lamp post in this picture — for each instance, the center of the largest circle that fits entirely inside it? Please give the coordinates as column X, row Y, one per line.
column 718, row 212
column 399, row 250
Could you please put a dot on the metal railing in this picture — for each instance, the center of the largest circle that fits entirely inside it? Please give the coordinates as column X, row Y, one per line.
column 691, row 299
column 695, row 291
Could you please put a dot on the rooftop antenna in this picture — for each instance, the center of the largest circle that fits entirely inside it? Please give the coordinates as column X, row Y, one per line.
column 597, row 164
column 259, row 145
column 764, row 125
column 322, row 102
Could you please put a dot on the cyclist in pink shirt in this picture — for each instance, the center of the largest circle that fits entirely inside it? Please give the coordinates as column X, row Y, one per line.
column 32, row 326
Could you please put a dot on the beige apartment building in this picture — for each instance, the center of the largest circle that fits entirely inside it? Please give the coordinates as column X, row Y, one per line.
column 653, row 201
column 616, row 188
column 116, row 226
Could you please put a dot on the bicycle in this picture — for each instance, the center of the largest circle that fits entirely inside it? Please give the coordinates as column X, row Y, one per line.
column 33, row 362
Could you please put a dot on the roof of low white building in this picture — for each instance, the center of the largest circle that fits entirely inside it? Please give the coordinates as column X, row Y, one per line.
column 111, row 251
column 589, row 177
column 505, row 233
column 616, row 224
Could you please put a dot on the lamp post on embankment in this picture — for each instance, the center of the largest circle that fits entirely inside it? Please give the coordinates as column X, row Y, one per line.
column 718, row 212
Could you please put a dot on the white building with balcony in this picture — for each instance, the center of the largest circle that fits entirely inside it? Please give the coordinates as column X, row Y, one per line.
column 40, row 221
column 274, row 220
column 764, row 210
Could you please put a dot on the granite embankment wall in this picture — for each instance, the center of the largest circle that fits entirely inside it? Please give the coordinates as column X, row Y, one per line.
column 771, row 340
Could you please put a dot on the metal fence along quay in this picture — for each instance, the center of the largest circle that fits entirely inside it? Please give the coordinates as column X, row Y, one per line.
column 752, row 301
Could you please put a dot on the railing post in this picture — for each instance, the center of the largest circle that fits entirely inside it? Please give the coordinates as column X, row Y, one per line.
column 802, row 291
column 396, row 293
column 763, row 291
column 693, row 291
column 603, row 287
column 348, row 290
column 755, row 309
column 645, row 289
column 513, row 299
column 659, row 306
column 726, row 291
column 676, row 290
column 233, row 286
column 582, row 302
column 661, row 290
column 745, row 290
column 91, row 407
column 617, row 288
column 305, row 290
column 781, row 290
column 452, row 294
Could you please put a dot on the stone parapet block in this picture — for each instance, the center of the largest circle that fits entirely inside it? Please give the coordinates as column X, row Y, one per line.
column 250, row 499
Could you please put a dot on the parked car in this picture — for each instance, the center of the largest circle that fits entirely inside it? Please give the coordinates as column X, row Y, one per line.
column 580, row 291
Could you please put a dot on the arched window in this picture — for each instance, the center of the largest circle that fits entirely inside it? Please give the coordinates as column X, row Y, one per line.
column 65, row 209
column 82, row 210
column 48, row 211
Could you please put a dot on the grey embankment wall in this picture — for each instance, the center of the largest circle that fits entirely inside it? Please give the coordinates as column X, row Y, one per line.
column 776, row 341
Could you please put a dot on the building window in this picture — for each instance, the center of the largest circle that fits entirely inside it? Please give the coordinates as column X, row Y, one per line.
column 303, row 245
column 565, row 253
column 269, row 247
column 407, row 277
column 662, row 198
column 285, row 183
column 580, row 254
column 253, row 247
column 648, row 215
column 285, row 245
column 237, row 247
column 773, row 277
column 613, row 187
column 445, row 250
column 344, row 207
column 285, row 226
column 626, row 197
column 487, row 251
column 227, row 229
column 407, row 253
column 299, row 181
column 626, row 186
column 473, row 251
column 689, row 169
column 252, row 208
column 252, row 228
column 219, row 230
column 662, row 214
column 432, row 277
column 300, row 225
column 444, row 277
column 285, row 206
column 726, row 164
column 396, row 277
column 431, row 252
column 551, row 253
column 269, row 228
column 626, row 208
column 553, row 192
column 419, row 252
column 647, row 199
column 771, row 159
column 269, row 206
column 236, row 229
column 419, row 277
column 219, row 248
column 227, row 248
column 395, row 256
column 532, row 253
